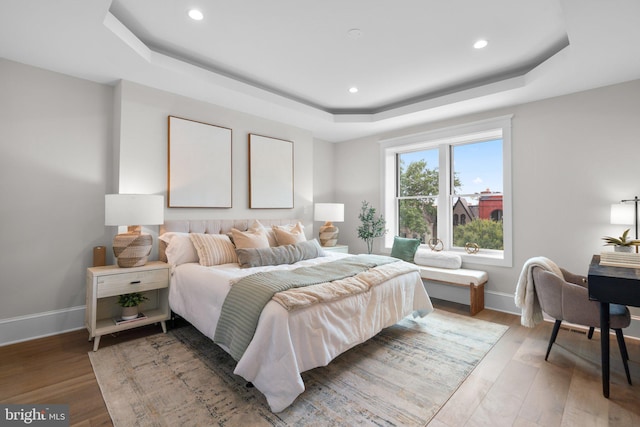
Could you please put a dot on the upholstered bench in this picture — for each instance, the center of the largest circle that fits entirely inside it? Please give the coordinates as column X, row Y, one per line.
column 474, row 279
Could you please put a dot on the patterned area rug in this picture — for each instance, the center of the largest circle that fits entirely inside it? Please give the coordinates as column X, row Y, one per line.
column 401, row 377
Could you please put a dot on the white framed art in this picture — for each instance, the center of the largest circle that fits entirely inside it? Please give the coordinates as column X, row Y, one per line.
column 270, row 173
column 199, row 165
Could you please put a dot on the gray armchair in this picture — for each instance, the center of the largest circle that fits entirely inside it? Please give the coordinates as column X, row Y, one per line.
column 568, row 299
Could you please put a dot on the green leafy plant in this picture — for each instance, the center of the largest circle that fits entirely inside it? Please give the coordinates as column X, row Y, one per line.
column 485, row 233
column 371, row 226
column 131, row 300
column 621, row 241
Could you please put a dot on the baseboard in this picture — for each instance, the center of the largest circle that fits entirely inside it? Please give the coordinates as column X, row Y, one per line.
column 38, row 325
column 500, row 301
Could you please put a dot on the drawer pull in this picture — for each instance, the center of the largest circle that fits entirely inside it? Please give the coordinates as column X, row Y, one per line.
column 135, row 282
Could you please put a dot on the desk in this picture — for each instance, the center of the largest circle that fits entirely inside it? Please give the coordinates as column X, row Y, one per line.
column 619, row 285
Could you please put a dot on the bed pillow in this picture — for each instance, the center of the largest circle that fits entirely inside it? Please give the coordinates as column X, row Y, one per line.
column 440, row 259
column 285, row 254
column 271, row 236
column 404, row 248
column 180, row 249
column 286, row 235
column 213, row 249
column 252, row 238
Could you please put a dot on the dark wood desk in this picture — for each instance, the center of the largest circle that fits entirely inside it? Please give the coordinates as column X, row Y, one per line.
column 619, row 285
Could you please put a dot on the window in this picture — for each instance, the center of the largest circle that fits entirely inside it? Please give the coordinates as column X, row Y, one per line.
column 418, row 186
column 477, row 192
column 453, row 185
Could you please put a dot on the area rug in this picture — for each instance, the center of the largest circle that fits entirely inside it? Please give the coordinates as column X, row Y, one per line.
column 400, row 377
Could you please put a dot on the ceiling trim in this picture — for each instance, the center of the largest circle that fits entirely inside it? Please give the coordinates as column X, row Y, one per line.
column 505, row 81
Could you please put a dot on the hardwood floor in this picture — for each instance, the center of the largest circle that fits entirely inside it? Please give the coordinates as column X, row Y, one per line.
column 512, row 386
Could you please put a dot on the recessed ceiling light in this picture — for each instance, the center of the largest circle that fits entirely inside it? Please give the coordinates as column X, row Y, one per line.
column 353, row 89
column 354, row 33
column 196, row 15
column 480, row 44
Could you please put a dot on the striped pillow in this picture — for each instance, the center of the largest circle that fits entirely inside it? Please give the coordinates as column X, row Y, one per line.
column 214, row 249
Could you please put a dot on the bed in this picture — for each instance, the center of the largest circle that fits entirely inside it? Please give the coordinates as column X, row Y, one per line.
column 291, row 340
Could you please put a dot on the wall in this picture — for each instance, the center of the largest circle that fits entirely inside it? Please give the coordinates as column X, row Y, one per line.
column 55, row 142
column 323, row 175
column 142, row 144
column 572, row 156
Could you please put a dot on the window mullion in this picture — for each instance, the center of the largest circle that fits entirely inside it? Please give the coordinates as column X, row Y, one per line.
column 444, row 212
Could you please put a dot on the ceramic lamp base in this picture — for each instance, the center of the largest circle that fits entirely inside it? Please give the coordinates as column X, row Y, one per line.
column 132, row 249
column 328, row 235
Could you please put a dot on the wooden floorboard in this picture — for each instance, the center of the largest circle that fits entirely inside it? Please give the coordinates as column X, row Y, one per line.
column 512, row 385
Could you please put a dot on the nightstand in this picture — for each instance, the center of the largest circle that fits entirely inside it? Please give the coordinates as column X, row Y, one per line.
column 104, row 284
column 336, row 248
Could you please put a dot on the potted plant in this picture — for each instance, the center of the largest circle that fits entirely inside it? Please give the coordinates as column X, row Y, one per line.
column 130, row 303
column 370, row 227
column 622, row 243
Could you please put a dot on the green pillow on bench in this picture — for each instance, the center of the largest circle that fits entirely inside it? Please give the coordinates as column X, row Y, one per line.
column 404, row 248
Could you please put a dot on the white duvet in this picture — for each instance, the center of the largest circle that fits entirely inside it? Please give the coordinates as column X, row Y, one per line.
column 288, row 343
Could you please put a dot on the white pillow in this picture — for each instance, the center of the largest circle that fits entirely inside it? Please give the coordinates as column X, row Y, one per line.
column 286, row 235
column 253, row 238
column 214, row 249
column 442, row 259
column 180, row 249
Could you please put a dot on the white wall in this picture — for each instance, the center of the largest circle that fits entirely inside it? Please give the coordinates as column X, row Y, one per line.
column 323, row 175
column 55, row 161
column 143, row 150
column 572, row 157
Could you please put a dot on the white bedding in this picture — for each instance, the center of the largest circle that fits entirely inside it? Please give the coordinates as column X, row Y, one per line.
column 288, row 343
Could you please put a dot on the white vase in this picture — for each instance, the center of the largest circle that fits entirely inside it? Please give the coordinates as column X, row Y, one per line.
column 129, row 313
column 623, row 248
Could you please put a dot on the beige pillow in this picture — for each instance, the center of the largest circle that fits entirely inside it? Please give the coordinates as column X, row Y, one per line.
column 249, row 239
column 214, row 249
column 286, row 235
column 179, row 249
column 271, row 236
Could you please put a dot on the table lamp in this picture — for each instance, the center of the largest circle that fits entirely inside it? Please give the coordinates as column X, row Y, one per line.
column 626, row 213
column 132, row 248
column 329, row 212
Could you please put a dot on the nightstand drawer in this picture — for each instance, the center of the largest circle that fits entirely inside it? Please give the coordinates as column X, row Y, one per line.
column 126, row 283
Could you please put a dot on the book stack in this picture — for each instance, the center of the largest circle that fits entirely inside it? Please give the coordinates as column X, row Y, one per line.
column 120, row 321
column 620, row 259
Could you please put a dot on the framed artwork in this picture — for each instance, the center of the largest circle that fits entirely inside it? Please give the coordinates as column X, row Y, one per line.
column 199, row 165
column 270, row 173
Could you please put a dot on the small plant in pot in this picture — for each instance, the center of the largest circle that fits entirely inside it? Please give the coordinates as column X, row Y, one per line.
column 130, row 303
column 622, row 243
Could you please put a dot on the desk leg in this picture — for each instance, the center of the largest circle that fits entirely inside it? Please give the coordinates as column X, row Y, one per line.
column 604, row 346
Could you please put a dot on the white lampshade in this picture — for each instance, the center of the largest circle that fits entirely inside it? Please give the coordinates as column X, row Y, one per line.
column 329, row 212
column 133, row 209
column 623, row 213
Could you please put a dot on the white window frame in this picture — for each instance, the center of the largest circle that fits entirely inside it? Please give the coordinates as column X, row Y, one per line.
column 484, row 130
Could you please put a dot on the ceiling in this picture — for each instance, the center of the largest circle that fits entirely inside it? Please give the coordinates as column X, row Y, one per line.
column 294, row 61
